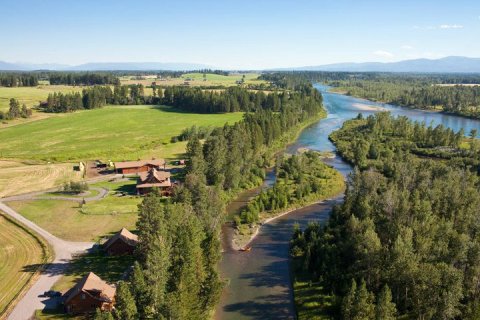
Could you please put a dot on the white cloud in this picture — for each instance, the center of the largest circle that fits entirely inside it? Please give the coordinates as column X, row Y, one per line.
column 451, row 26
column 442, row 26
column 383, row 54
column 406, row 47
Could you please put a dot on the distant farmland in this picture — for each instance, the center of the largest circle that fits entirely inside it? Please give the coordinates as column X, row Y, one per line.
column 31, row 95
column 114, row 132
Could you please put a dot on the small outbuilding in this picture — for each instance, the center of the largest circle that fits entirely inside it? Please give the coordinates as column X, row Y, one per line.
column 89, row 294
column 121, row 243
column 135, row 167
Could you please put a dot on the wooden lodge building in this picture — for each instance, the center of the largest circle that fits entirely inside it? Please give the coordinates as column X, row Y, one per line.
column 135, row 167
column 154, row 178
column 121, row 243
column 89, row 294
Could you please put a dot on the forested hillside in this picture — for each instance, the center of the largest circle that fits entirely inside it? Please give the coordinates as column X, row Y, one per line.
column 405, row 241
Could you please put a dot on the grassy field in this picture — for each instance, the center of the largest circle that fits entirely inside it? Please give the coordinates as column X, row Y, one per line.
column 19, row 248
column 21, row 177
column 31, row 95
column 114, row 132
column 66, row 220
column 197, row 80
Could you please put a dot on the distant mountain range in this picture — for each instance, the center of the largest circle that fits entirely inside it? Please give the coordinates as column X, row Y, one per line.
column 444, row 65
column 103, row 66
column 447, row 64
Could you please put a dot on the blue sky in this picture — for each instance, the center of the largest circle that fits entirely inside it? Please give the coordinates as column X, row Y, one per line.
column 237, row 34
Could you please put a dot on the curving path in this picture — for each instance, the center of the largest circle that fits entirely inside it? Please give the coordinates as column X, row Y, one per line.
column 102, row 193
column 63, row 251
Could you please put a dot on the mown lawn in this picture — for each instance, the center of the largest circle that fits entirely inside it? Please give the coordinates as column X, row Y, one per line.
column 18, row 249
column 66, row 220
column 110, row 133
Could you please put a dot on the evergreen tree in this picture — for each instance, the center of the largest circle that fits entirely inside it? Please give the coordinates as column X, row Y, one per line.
column 125, row 308
column 385, row 309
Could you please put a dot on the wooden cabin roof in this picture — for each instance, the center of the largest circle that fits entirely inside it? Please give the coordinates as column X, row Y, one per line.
column 124, row 235
column 95, row 287
column 154, row 178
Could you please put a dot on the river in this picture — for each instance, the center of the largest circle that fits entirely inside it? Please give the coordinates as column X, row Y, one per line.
column 258, row 282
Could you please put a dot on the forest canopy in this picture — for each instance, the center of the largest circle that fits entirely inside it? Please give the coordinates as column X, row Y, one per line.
column 406, row 237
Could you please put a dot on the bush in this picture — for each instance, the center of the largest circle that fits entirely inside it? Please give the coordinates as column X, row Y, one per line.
column 75, row 187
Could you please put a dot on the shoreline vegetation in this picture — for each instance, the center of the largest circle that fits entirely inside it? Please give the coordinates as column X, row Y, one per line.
column 301, row 180
column 385, row 251
column 443, row 98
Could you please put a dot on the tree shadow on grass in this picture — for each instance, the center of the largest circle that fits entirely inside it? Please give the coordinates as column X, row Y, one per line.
column 109, row 268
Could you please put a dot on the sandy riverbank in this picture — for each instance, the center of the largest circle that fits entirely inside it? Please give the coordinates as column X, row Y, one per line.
column 367, row 107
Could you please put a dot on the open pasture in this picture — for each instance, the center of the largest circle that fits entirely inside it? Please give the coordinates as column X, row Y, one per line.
column 110, row 133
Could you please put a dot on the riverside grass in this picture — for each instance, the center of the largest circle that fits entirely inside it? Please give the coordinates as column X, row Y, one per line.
column 110, row 133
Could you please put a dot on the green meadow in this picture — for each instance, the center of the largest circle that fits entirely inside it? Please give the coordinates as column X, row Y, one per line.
column 31, row 96
column 110, row 133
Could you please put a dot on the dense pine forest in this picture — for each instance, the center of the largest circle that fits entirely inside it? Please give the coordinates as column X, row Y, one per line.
column 196, row 100
column 82, row 78
column 405, row 243
column 18, row 79
column 176, row 276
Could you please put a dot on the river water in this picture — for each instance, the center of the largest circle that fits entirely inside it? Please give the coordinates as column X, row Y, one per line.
column 258, row 282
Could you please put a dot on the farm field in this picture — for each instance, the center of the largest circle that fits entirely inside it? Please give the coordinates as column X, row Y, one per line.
column 110, row 133
column 31, row 95
column 19, row 248
column 197, row 80
column 18, row 177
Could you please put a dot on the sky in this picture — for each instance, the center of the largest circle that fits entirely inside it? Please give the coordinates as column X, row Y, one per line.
column 242, row 34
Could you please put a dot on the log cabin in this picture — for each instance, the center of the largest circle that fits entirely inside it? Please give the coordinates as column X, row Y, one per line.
column 89, row 294
column 121, row 243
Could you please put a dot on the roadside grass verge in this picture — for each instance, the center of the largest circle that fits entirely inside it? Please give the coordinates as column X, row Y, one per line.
column 19, row 247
